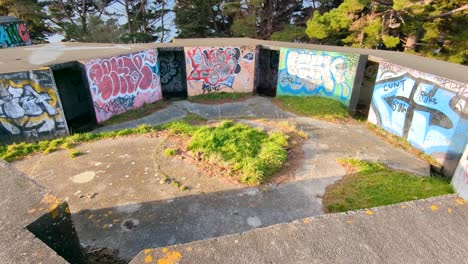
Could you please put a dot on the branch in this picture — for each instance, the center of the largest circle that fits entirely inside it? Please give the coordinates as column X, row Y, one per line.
column 449, row 12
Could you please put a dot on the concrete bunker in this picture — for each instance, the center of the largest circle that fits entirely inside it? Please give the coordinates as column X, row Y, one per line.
column 73, row 90
column 172, row 73
column 267, row 72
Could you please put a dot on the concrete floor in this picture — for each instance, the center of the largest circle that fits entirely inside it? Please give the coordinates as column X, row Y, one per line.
column 117, row 200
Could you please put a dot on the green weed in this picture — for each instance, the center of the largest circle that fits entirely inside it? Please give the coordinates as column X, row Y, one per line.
column 168, row 152
column 373, row 184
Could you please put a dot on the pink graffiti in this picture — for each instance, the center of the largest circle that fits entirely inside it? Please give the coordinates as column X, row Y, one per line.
column 123, row 75
column 213, row 66
column 23, row 32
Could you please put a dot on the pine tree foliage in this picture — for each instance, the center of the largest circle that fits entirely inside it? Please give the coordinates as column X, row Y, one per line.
column 427, row 27
column 32, row 13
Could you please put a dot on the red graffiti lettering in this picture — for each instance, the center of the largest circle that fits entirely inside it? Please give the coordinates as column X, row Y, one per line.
column 122, row 75
column 213, row 66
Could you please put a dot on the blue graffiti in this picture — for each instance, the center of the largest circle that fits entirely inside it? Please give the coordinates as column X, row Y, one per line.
column 420, row 111
column 306, row 72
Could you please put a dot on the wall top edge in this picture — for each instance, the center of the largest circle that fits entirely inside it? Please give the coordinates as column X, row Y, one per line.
column 27, row 58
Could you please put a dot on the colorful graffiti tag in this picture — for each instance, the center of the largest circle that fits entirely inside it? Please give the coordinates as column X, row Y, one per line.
column 429, row 111
column 460, row 177
column 308, row 72
column 14, row 34
column 220, row 69
column 29, row 106
column 119, row 84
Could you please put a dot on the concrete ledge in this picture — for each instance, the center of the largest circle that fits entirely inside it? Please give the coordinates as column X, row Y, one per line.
column 424, row 231
column 26, row 205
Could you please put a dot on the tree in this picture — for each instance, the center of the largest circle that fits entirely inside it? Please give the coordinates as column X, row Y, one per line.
column 72, row 16
column 201, row 18
column 431, row 28
column 100, row 31
column 261, row 18
column 145, row 20
column 31, row 12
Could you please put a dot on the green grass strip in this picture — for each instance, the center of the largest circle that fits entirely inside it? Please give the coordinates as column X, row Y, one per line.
column 313, row 106
column 373, row 184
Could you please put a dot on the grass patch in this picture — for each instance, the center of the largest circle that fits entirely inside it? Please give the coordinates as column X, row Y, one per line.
column 19, row 150
column 402, row 143
column 372, row 184
column 218, row 97
column 313, row 106
column 74, row 153
column 249, row 153
column 143, row 111
column 253, row 154
column 169, row 152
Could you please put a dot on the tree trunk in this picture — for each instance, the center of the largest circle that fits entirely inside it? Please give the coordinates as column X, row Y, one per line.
column 411, row 41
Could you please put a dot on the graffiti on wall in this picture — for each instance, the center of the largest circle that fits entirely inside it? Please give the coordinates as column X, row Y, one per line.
column 220, row 69
column 29, row 106
column 429, row 111
column 14, row 34
column 460, row 177
column 122, row 83
column 308, row 72
column 171, row 71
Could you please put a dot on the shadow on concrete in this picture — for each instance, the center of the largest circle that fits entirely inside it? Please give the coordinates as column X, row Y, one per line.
column 56, row 230
column 134, row 227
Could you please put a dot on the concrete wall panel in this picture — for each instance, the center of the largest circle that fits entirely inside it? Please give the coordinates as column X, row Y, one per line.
column 220, row 69
column 460, row 177
column 30, row 107
column 307, row 72
column 123, row 83
column 427, row 110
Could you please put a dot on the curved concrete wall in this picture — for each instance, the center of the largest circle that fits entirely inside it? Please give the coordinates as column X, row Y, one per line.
column 427, row 110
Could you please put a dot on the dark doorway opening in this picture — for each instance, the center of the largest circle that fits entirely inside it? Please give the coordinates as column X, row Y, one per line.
column 172, row 73
column 267, row 72
column 367, row 88
column 75, row 96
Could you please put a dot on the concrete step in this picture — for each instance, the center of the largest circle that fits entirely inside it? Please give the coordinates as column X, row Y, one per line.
column 432, row 230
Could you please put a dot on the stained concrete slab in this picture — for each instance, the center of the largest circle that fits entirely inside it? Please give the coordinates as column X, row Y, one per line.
column 424, row 231
column 117, row 200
